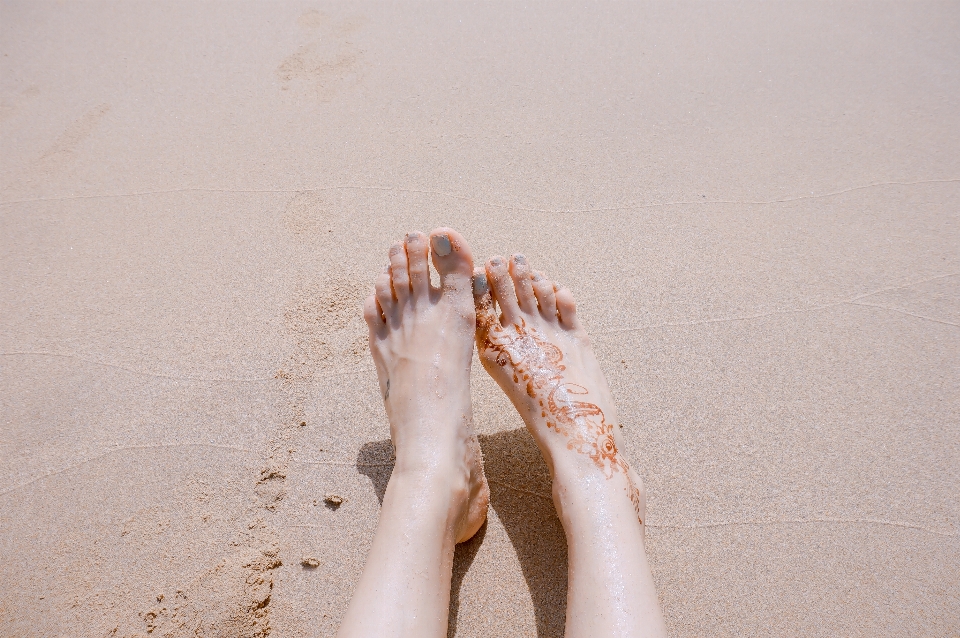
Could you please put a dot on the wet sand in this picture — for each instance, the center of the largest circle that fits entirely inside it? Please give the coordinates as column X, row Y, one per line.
column 756, row 206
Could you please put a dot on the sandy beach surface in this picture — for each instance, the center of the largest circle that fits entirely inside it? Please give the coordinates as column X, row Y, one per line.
column 757, row 206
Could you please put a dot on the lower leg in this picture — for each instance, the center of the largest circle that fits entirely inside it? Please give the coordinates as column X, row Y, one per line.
column 611, row 590
column 405, row 586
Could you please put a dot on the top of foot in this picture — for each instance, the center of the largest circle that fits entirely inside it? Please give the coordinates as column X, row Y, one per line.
column 533, row 345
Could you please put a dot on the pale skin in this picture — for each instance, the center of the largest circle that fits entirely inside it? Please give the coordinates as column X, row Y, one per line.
column 531, row 343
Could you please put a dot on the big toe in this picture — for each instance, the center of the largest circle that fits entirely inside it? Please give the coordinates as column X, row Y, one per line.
column 452, row 259
column 487, row 320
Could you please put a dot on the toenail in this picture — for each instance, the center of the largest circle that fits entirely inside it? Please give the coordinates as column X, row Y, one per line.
column 496, row 261
column 480, row 285
column 441, row 245
column 519, row 259
column 412, row 236
column 538, row 277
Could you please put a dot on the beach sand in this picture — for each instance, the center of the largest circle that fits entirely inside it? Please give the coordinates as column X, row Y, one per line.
column 757, row 206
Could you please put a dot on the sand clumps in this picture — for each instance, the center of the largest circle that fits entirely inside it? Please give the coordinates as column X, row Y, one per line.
column 333, row 501
column 232, row 600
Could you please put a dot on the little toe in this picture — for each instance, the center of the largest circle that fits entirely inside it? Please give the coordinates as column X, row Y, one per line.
column 372, row 314
column 546, row 297
column 452, row 259
column 566, row 308
column 398, row 272
column 417, row 266
column 522, row 285
column 502, row 286
column 384, row 293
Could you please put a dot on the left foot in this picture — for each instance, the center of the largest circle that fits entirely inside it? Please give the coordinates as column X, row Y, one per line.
column 421, row 339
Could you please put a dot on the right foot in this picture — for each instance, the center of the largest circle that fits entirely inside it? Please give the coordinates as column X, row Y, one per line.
column 421, row 339
column 538, row 353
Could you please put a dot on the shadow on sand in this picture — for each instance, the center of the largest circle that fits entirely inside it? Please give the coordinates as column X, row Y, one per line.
column 520, row 494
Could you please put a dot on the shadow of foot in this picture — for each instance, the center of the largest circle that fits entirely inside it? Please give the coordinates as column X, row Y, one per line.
column 462, row 559
column 520, row 489
column 520, row 493
column 375, row 461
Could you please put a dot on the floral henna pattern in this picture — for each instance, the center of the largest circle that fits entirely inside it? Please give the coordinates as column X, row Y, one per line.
column 538, row 364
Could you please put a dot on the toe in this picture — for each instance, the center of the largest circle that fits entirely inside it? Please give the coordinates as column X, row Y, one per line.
column 546, row 297
column 502, row 286
column 384, row 293
column 417, row 266
column 522, row 285
column 487, row 320
column 398, row 272
column 566, row 308
column 372, row 314
column 452, row 259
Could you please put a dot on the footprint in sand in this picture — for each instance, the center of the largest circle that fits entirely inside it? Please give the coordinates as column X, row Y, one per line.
column 329, row 60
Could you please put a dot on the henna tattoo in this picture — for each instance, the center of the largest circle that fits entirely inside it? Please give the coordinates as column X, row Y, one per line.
column 538, row 365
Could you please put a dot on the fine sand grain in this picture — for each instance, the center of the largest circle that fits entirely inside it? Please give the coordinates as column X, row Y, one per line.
column 755, row 204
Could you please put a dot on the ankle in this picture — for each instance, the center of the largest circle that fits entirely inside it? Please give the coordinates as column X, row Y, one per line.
column 581, row 486
column 433, row 487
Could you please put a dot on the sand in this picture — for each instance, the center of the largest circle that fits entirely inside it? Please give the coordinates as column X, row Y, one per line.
column 755, row 204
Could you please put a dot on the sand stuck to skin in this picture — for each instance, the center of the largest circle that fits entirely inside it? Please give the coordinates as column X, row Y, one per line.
column 755, row 204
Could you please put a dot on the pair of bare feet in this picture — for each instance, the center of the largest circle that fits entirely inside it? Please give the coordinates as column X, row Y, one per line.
column 530, row 341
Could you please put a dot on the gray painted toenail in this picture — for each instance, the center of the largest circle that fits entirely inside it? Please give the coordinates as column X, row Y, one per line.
column 412, row 236
column 441, row 245
column 538, row 277
column 519, row 259
column 480, row 285
column 496, row 261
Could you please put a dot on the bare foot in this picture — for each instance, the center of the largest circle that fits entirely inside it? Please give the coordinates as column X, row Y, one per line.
column 539, row 354
column 421, row 339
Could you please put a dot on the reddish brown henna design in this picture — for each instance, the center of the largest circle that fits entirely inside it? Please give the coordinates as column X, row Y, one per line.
column 538, row 364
